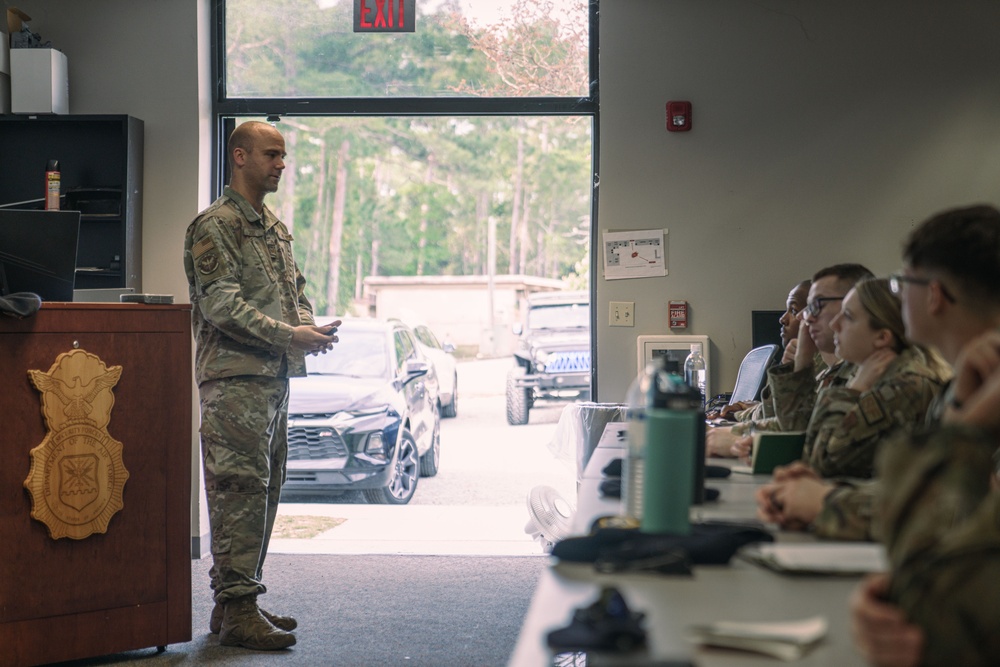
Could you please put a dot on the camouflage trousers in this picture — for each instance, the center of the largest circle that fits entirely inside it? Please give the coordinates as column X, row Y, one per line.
column 244, row 446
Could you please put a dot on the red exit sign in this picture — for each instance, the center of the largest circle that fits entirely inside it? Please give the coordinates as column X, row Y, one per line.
column 384, row 15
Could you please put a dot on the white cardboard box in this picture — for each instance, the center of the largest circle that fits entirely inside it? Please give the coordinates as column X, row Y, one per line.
column 39, row 81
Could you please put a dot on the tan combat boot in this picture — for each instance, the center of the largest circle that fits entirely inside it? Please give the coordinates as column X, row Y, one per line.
column 244, row 625
column 286, row 623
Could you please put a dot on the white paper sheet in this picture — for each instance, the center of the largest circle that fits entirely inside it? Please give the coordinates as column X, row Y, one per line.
column 637, row 254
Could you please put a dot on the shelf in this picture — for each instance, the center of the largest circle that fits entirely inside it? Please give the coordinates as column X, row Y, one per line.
column 101, row 161
column 99, row 217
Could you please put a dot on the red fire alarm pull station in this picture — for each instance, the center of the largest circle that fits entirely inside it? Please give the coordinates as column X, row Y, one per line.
column 678, row 314
column 678, row 116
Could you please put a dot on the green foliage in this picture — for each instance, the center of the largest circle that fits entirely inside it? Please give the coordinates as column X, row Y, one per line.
column 416, row 194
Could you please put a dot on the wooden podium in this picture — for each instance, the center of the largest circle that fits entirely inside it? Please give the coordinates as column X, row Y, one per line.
column 129, row 587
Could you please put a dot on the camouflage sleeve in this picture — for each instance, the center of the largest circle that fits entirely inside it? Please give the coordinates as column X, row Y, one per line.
column 750, row 414
column 766, row 403
column 794, row 395
column 770, row 424
column 760, row 418
column 217, row 256
column 942, row 533
column 847, row 513
column 847, row 426
column 306, row 315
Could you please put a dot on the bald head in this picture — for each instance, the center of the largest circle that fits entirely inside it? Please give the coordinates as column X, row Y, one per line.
column 256, row 161
column 247, row 136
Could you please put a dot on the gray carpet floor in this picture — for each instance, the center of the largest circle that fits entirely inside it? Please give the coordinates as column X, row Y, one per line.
column 370, row 611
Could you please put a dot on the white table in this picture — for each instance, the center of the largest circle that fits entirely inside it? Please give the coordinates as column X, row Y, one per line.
column 738, row 592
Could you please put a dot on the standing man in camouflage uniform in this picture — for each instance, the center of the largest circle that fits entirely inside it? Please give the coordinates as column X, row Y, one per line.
column 253, row 326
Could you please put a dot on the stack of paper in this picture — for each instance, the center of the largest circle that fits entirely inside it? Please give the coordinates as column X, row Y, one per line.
column 787, row 640
column 846, row 558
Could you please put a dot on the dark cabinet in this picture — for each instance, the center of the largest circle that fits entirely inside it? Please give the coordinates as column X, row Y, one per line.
column 100, row 160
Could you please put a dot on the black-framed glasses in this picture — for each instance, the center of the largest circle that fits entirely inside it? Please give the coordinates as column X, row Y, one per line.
column 896, row 281
column 815, row 307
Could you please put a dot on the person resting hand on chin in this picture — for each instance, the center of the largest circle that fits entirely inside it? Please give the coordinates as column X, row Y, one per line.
column 892, row 386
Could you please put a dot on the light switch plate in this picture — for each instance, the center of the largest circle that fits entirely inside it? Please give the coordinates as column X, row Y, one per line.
column 622, row 314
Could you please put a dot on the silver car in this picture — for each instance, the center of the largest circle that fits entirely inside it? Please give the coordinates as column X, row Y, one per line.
column 445, row 365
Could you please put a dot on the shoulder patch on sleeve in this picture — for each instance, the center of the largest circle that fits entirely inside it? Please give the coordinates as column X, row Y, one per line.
column 871, row 409
column 206, row 260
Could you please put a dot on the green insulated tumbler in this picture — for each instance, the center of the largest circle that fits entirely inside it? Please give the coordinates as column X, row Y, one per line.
column 675, row 456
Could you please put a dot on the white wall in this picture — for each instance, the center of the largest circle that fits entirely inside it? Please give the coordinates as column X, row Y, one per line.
column 822, row 132
column 148, row 59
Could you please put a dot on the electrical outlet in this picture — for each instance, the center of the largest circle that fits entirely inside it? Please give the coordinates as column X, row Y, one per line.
column 622, row 314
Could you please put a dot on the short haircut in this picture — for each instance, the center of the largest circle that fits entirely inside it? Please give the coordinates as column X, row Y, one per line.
column 847, row 274
column 245, row 137
column 801, row 290
column 963, row 245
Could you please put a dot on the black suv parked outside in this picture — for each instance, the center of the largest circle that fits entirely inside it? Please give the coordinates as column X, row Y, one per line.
column 552, row 359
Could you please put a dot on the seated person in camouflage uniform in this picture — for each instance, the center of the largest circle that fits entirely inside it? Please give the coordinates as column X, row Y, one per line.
column 814, row 364
column 719, row 440
column 892, row 385
column 795, row 385
column 949, row 298
column 940, row 513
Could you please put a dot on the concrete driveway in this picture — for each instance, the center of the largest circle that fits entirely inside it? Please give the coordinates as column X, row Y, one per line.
column 476, row 504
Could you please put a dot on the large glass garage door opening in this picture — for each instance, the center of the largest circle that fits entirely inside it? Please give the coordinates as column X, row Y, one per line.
column 434, row 181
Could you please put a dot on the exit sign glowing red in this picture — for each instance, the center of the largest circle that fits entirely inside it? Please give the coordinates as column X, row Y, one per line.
column 384, row 15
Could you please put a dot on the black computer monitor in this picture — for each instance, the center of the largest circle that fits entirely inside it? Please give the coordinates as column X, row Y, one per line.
column 38, row 252
column 765, row 328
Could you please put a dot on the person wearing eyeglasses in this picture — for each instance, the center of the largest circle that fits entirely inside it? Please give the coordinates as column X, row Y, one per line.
column 891, row 388
column 936, row 501
column 948, row 290
column 894, row 383
column 795, row 384
column 929, row 609
column 812, row 363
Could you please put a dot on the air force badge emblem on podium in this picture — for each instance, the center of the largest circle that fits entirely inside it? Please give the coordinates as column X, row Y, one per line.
column 77, row 475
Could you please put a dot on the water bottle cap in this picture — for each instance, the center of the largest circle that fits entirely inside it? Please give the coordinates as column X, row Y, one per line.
column 668, row 390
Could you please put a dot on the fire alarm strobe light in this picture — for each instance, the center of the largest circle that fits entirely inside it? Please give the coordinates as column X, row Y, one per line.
column 678, row 116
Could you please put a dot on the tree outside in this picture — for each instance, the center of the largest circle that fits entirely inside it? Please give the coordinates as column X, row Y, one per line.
column 417, row 195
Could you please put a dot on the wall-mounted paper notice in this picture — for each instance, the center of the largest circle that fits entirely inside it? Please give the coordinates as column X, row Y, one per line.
column 637, row 254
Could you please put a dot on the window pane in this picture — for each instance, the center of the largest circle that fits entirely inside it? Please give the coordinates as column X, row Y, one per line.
column 463, row 48
column 360, row 354
column 416, row 196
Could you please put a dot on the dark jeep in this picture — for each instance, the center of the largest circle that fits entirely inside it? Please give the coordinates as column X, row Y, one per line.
column 553, row 353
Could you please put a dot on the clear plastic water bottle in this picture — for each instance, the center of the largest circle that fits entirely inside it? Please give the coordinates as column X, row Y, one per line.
column 633, row 464
column 695, row 373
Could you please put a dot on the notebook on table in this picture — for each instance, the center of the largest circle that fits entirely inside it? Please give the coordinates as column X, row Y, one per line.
column 773, row 449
